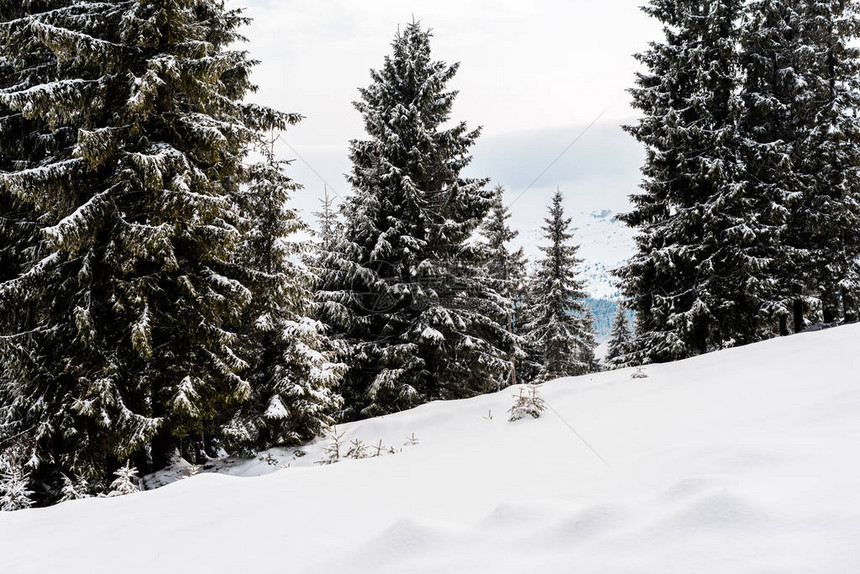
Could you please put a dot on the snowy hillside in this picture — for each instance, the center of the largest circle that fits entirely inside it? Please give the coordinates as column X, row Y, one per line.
column 737, row 462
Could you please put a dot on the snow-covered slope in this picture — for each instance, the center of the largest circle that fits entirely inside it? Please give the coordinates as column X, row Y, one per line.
column 743, row 461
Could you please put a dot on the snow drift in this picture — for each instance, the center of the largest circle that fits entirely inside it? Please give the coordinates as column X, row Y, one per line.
column 741, row 461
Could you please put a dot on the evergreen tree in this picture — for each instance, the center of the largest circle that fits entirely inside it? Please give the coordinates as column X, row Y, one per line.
column 589, row 342
column 619, row 340
column 403, row 286
column 123, row 138
column 505, row 268
column 558, row 326
column 825, row 221
column 293, row 372
column 74, row 489
column 699, row 279
column 126, row 481
column 330, row 226
column 15, row 493
column 772, row 92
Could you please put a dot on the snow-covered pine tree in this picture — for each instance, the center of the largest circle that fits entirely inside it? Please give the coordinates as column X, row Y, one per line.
column 19, row 227
column 15, row 493
column 505, row 268
column 619, row 340
column 588, row 353
column 293, row 372
column 330, row 227
column 825, row 221
column 696, row 282
column 772, row 94
column 557, row 324
column 123, row 138
column 403, row 286
column 126, row 481
column 74, row 489
column 528, row 403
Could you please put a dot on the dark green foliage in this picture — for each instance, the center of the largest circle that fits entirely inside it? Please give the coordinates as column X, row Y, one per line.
column 619, row 340
column 559, row 328
column 403, row 287
column 123, row 138
column 292, row 372
column 749, row 211
column 505, row 270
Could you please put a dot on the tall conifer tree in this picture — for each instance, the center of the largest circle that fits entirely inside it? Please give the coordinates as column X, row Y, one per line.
column 558, row 326
column 123, row 140
column 619, row 339
column 505, row 268
column 293, row 372
column 403, row 286
column 697, row 281
column 826, row 219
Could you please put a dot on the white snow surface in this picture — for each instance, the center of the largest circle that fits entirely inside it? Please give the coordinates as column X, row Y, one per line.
column 742, row 461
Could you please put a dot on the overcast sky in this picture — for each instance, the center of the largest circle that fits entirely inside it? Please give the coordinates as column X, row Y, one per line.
column 534, row 74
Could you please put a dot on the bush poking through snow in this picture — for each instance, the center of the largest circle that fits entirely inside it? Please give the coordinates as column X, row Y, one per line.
column 74, row 489
column 14, row 491
column 527, row 404
column 192, row 470
column 333, row 449
column 639, row 374
column 125, row 482
column 378, row 449
column 357, row 449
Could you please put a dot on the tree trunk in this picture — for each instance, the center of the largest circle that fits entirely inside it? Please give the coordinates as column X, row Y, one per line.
column 797, row 312
column 783, row 326
column 163, row 447
column 849, row 308
column 829, row 306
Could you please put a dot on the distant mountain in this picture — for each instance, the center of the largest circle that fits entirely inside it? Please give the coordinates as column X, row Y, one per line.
column 604, row 313
column 605, row 243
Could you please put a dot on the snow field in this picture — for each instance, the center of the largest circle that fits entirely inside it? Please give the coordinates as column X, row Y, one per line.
column 743, row 461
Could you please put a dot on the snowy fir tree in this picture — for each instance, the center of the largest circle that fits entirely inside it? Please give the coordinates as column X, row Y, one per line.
column 123, row 138
column 329, row 225
column 825, row 221
column 748, row 216
column 15, row 493
column 557, row 324
column 505, row 267
column 699, row 279
column 293, row 372
column 772, row 92
column 403, row 287
column 619, row 340
column 74, row 489
column 126, row 481
column 528, row 403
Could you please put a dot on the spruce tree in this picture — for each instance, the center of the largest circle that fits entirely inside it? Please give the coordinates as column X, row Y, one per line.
column 505, row 268
column 699, row 279
column 619, row 340
column 825, row 221
column 293, row 373
column 329, row 226
column 403, row 286
column 773, row 92
column 558, row 326
column 123, row 138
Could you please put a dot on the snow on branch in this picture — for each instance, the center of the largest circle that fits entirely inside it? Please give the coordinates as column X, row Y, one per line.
column 75, row 231
column 264, row 118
